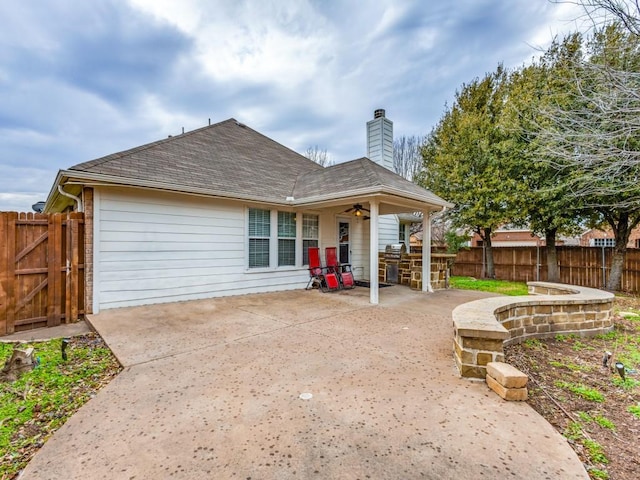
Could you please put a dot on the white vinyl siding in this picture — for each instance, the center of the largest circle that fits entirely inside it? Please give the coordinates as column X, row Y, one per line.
column 388, row 233
column 154, row 247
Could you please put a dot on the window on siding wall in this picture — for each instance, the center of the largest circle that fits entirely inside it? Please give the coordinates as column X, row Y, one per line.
column 401, row 234
column 310, row 232
column 259, row 234
column 286, row 239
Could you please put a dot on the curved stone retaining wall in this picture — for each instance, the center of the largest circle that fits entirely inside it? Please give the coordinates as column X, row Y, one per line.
column 483, row 327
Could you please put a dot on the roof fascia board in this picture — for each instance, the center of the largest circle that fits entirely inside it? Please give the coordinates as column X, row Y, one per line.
column 93, row 179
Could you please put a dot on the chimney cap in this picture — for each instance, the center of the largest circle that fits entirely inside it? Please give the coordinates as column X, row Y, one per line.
column 379, row 113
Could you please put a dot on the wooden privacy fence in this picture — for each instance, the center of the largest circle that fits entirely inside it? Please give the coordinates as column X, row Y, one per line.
column 584, row 266
column 41, row 270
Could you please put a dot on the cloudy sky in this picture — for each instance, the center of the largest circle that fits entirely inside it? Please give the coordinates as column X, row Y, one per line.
column 83, row 79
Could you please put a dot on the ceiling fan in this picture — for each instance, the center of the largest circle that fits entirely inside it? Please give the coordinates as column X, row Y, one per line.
column 358, row 210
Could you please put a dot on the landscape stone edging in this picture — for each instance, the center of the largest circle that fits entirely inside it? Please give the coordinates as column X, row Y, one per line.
column 483, row 327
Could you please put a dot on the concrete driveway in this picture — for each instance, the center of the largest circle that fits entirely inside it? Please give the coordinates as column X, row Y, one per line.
column 212, row 389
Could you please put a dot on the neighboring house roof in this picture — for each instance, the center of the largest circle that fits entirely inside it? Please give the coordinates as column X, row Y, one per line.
column 231, row 160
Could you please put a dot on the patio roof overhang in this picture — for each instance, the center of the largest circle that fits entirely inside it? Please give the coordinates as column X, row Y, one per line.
column 391, row 201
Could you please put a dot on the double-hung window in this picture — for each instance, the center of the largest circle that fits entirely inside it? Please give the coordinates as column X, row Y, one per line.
column 286, row 239
column 310, row 229
column 259, row 237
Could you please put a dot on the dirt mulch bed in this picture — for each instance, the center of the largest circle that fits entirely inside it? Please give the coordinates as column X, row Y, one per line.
column 586, row 401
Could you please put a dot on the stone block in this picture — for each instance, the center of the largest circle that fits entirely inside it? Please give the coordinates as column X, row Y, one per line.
column 577, row 317
column 544, row 328
column 511, row 394
column 465, row 356
column 482, row 344
column 559, row 318
column 542, row 309
column 484, row 358
column 540, row 319
column 509, row 324
column 473, row 371
column 507, row 375
column 517, row 332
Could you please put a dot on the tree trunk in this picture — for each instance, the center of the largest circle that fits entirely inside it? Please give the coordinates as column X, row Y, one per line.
column 553, row 272
column 486, row 238
column 621, row 231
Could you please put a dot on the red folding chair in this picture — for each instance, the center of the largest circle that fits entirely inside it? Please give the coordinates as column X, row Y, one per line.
column 343, row 271
column 325, row 279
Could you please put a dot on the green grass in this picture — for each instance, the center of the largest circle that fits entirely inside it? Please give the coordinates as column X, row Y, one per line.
column 486, row 285
column 599, row 474
column 533, row 343
column 604, row 422
column 595, row 451
column 634, row 410
column 41, row 400
column 629, row 384
column 574, row 367
column 583, row 391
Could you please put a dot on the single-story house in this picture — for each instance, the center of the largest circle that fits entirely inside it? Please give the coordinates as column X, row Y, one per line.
column 225, row 210
column 605, row 238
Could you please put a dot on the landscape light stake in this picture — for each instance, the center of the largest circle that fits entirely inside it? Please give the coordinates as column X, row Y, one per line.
column 620, row 369
column 63, row 348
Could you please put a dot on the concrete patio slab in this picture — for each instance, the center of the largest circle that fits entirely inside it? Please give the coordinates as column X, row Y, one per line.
column 213, row 389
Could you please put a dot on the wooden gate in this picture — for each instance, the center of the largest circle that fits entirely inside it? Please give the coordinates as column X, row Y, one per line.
column 41, row 270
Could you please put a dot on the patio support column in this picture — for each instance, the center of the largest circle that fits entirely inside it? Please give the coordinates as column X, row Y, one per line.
column 373, row 252
column 426, row 252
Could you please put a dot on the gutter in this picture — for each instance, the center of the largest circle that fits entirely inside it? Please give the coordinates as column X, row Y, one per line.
column 73, row 176
column 73, row 197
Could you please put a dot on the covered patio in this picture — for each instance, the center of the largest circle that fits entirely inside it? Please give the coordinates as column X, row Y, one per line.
column 369, row 200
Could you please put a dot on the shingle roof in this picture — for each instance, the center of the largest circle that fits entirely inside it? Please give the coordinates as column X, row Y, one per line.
column 231, row 159
column 227, row 157
column 357, row 175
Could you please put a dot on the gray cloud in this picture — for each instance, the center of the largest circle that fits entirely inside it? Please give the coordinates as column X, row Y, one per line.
column 79, row 80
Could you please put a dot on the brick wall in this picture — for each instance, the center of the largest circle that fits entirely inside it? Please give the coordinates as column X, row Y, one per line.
column 87, row 194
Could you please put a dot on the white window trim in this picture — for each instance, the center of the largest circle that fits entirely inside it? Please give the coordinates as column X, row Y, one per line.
column 273, row 241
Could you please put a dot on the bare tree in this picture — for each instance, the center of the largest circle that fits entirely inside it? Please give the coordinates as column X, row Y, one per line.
column 601, row 12
column 318, row 155
column 596, row 139
column 407, row 159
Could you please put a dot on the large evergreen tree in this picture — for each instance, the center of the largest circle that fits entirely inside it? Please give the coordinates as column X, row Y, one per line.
column 464, row 159
column 542, row 201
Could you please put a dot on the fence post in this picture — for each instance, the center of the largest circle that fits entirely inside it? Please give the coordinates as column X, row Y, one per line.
column 10, row 287
column 604, row 266
column 72, row 256
column 54, row 244
column 4, row 276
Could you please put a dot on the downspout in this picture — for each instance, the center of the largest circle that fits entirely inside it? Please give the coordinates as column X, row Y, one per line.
column 73, row 197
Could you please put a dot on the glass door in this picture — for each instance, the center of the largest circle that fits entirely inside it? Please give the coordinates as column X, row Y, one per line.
column 344, row 246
